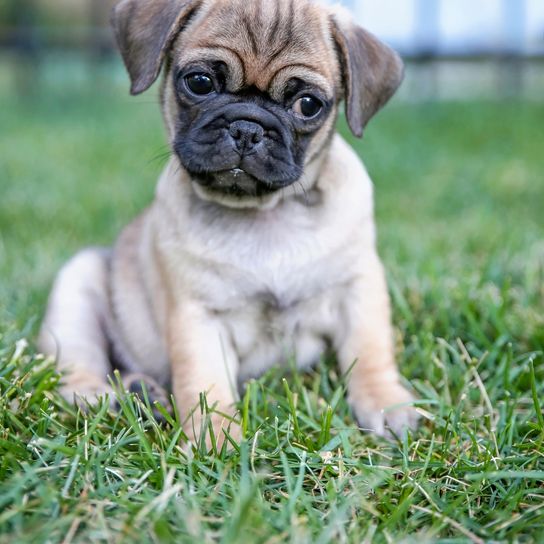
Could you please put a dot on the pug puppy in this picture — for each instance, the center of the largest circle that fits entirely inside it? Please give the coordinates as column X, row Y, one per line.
column 260, row 245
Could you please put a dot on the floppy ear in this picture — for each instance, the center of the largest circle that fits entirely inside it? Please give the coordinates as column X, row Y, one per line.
column 145, row 29
column 372, row 72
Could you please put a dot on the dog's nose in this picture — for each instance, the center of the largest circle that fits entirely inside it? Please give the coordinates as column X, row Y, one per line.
column 246, row 134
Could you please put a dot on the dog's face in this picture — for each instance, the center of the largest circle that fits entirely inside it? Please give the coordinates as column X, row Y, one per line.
column 252, row 87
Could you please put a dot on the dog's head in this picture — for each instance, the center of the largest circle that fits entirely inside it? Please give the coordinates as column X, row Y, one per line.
column 252, row 87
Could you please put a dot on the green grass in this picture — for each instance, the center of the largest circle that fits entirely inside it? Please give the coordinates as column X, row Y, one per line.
column 459, row 188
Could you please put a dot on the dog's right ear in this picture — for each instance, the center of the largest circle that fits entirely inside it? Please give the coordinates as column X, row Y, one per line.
column 145, row 30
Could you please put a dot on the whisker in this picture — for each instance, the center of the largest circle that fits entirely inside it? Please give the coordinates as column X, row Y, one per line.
column 161, row 157
column 304, row 190
column 163, row 152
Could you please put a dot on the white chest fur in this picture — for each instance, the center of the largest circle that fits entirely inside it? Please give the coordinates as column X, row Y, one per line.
column 275, row 288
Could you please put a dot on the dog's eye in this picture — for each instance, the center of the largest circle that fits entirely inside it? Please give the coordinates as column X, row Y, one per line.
column 308, row 106
column 200, row 84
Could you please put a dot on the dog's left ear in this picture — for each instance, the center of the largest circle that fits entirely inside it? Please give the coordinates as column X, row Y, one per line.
column 145, row 30
column 372, row 72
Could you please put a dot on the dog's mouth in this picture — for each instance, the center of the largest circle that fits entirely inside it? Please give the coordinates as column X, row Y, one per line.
column 235, row 182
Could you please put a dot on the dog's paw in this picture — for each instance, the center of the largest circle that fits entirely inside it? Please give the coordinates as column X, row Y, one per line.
column 144, row 386
column 85, row 388
column 385, row 410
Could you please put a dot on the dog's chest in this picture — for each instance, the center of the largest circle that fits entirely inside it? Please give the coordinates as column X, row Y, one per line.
column 264, row 332
column 276, row 289
column 276, row 262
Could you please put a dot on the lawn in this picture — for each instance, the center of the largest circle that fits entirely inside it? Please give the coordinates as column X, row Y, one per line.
column 460, row 194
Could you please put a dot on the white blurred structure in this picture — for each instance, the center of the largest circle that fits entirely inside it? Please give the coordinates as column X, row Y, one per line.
column 455, row 27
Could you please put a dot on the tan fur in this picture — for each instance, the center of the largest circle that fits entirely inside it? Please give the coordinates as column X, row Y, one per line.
column 209, row 294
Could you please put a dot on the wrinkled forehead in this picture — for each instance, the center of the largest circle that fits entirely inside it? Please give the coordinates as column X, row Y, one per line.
column 264, row 43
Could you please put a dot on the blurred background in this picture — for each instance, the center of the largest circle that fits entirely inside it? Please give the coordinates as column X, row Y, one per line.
column 457, row 158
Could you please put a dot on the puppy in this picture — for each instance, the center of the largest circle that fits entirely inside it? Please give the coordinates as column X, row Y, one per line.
column 260, row 244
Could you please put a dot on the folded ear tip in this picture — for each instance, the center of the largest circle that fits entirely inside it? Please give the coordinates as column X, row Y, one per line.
column 355, row 123
column 357, row 132
column 137, row 88
column 141, row 82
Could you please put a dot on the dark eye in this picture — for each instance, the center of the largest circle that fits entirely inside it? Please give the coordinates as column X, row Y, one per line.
column 308, row 106
column 200, row 84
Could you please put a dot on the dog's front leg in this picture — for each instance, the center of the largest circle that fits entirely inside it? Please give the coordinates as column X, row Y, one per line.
column 376, row 395
column 203, row 361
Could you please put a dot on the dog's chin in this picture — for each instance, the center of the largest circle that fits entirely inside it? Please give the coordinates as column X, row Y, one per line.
column 236, row 188
column 236, row 183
